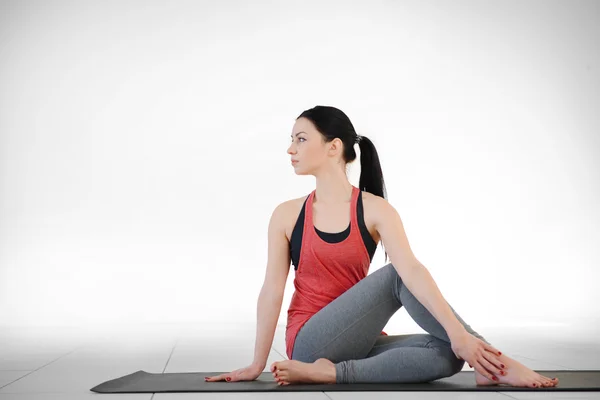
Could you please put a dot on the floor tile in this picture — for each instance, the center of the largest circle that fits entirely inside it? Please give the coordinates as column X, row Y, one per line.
column 74, row 396
column 7, row 377
column 27, row 360
column 554, row 396
column 406, row 395
column 87, row 367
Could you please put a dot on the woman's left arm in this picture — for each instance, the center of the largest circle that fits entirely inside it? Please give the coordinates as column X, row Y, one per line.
column 414, row 274
column 420, row 283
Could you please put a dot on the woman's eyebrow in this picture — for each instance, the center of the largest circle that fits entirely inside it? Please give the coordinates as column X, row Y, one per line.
column 292, row 136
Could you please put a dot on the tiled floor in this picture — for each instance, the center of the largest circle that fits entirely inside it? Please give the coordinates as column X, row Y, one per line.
column 65, row 363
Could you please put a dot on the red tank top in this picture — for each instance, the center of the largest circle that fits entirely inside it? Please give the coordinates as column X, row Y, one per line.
column 325, row 270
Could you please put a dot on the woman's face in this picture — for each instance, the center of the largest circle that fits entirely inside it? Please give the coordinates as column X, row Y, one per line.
column 309, row 149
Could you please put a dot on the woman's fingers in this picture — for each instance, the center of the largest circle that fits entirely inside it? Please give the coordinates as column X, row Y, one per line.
column 216, row 378
column 490, row 363
column 493, row 358
column 481, row 369
column 491, row 348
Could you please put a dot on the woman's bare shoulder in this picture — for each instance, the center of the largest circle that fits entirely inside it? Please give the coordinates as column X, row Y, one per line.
column 294, row 205
column 290, row 210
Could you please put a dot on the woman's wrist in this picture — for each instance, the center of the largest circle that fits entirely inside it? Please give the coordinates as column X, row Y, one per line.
column 258, row 365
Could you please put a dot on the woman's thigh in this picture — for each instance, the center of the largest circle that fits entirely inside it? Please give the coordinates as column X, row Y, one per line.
column 384, row 343
column 424, row 340
column 349, row 326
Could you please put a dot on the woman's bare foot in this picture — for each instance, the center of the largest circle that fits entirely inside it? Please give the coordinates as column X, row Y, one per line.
column 292, row 371
column 516, row 374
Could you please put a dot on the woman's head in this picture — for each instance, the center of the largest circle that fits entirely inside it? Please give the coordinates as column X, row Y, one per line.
column 313, row 150
column 324, row 137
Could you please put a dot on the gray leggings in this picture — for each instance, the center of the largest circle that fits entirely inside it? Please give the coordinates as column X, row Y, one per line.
column 348, row 333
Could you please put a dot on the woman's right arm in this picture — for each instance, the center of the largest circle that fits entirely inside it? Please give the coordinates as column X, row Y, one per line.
column 268, row 308
column 271, row 294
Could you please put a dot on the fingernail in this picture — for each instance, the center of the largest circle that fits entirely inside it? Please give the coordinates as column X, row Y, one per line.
column 494, row 378
column 534, row 385
column 502, row 365
column 499, row 353
column 228, row 379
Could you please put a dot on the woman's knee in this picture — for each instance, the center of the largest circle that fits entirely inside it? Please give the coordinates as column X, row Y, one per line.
column 302, row 358
column 305, row 355
column 454, row 365
column 299, row 355
column 448, row 364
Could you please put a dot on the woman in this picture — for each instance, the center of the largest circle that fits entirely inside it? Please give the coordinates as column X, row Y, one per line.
column 337, row 312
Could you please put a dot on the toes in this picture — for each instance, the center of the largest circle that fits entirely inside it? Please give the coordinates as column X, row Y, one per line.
column 282, row 376
column 537, row 382
column 541, row 383
column 282, row 365
column 548, row 382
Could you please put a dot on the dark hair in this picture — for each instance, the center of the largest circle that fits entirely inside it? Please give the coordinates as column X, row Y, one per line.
column 334, row 123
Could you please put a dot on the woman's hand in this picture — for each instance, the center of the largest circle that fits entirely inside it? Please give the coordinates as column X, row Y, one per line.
column 480, row 355
column 248, row 373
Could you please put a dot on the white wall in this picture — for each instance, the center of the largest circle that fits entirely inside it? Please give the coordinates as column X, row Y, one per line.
column 143, row 149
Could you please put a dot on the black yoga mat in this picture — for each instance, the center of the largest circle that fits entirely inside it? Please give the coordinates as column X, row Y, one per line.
column 464, row 381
